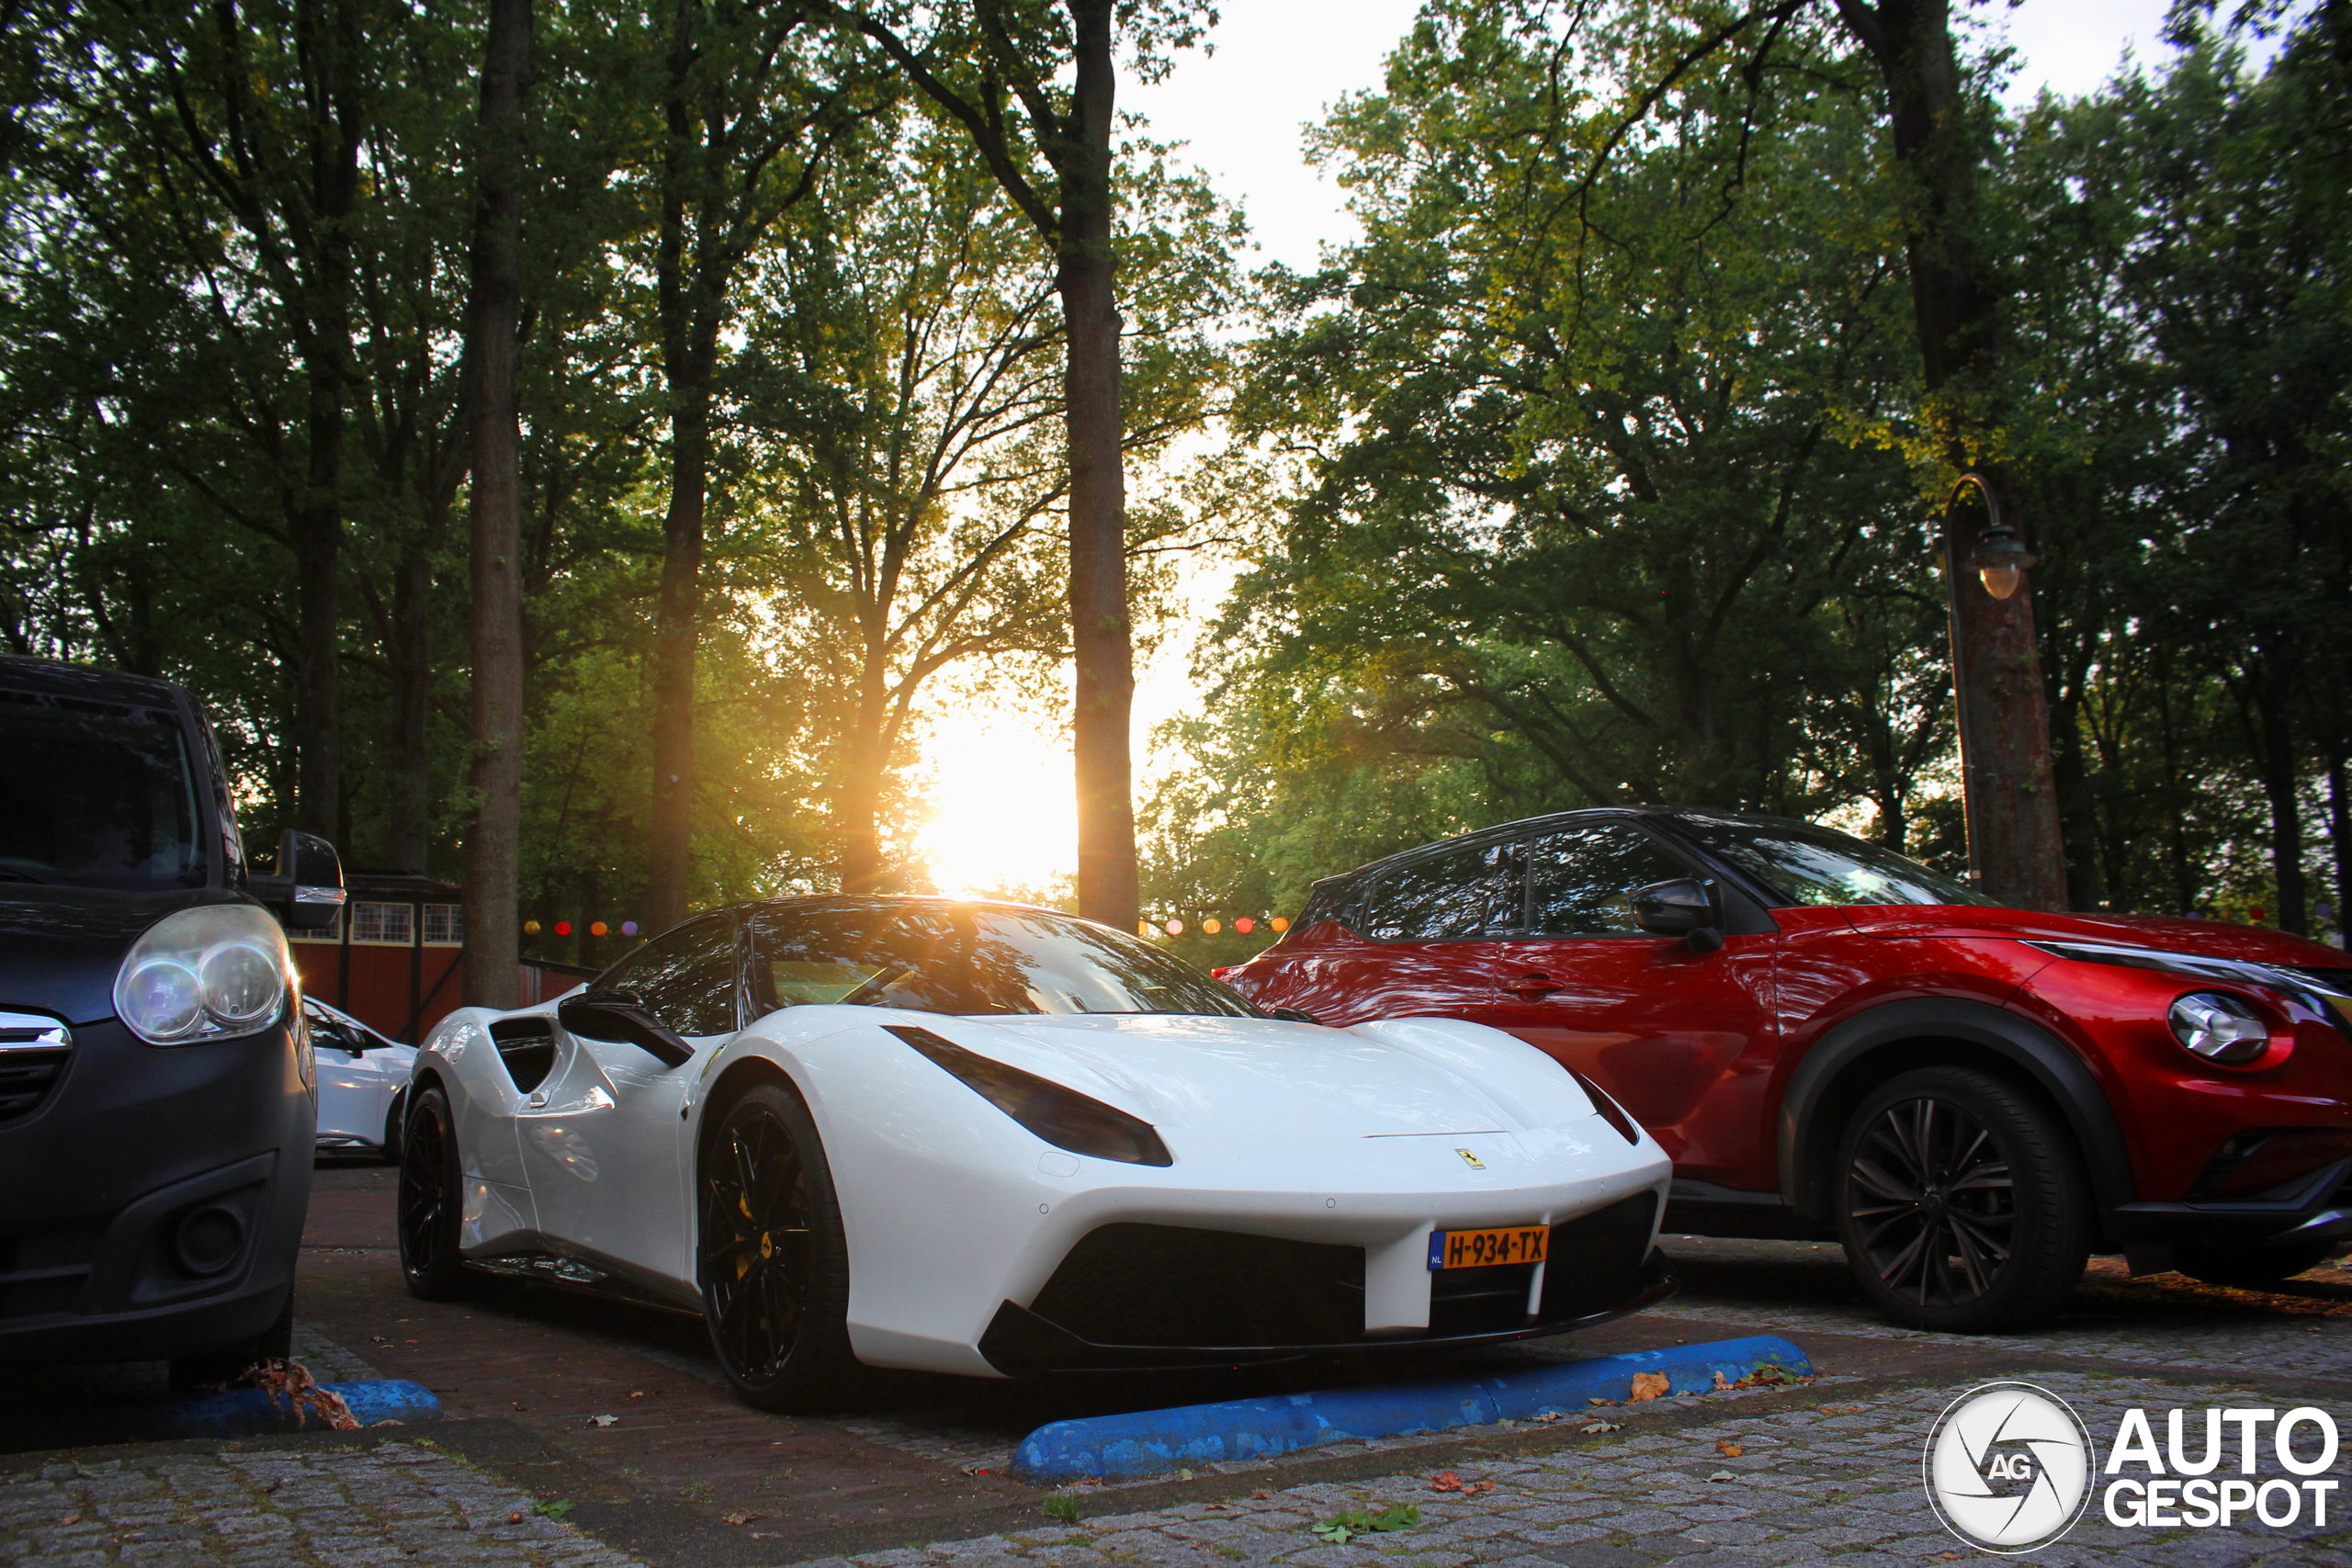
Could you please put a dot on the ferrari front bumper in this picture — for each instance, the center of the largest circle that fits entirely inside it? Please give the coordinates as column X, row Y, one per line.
column 1135, row 1297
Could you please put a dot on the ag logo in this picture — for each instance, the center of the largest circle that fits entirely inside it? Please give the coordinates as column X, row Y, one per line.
column 2008, row 1467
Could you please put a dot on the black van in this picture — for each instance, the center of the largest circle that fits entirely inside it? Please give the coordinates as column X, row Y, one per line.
column 156, row 1092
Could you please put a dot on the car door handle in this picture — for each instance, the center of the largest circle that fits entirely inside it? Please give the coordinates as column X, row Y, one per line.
column 1535, row 988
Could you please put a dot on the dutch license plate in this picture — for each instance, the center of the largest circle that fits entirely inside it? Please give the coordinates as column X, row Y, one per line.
column 1481, row 1248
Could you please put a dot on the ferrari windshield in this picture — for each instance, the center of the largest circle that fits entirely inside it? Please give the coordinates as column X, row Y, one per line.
column 95, row 796
column 968, row 959
column 1820, row 865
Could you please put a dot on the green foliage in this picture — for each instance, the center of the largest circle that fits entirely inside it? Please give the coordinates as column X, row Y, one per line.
column 1063, row 1506
column 1340, row 1529
column 1615, row 483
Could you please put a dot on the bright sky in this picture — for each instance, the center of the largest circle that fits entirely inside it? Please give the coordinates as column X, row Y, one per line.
column 1002, row 816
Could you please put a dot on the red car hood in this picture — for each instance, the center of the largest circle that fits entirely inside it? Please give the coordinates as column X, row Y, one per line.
column 2209, row 939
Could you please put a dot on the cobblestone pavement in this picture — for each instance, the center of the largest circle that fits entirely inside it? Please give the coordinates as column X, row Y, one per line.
column 1838, row 1483
column 2302, row 1328
column 394, row 1503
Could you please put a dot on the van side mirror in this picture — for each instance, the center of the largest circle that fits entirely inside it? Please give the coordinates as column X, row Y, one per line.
column 308, row 887
column 1680, row 908
column 618, row 1017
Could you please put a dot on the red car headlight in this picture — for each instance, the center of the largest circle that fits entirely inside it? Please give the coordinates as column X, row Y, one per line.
column 2219, row 1027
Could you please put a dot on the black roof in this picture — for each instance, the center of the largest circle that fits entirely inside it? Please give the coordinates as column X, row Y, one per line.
column 56, row 677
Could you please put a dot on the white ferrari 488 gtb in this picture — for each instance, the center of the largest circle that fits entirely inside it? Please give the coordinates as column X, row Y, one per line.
column 994, row 1140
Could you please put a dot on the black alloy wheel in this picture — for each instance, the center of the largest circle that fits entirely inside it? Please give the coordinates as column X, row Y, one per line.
column 432, row 1200
column 1960, row 1204
column 772, row 1261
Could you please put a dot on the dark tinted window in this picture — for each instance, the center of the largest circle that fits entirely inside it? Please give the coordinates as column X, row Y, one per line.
column 1820, row 865
column 956, row 958
column 95, row 796
column 684, row 977
column 1463, row 892
column 1578, row 880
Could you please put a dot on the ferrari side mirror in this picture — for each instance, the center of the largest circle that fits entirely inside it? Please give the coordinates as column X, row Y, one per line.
column 615, row 1016
column 1682, row 908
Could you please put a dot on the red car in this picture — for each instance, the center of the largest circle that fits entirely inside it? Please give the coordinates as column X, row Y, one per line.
column 1836, row 1043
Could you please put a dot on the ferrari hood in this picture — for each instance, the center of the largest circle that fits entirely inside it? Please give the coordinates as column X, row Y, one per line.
column 1264, row 1076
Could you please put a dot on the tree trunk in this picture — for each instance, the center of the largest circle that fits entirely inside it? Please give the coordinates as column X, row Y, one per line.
column 676, row 619
column 408, row 836
column 317, row 533
column 325, row 37
column 493, row 845
column 2277, row 760
column 2078, row 802
column 1100, row 636
column 2339, row 839
column 689, row 335
column 865, row 763
column 2012, row 803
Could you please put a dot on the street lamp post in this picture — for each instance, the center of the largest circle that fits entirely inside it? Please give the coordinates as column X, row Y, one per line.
column 2016, row 852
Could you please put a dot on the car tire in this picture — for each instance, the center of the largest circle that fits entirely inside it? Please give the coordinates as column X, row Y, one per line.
column 2250, row 1267
column 431, row 1204
column 771, row 1257
column 1961, row 1203
column 226, row 1366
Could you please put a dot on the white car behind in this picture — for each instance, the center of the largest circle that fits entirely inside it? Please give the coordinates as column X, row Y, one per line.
column 363, row 1083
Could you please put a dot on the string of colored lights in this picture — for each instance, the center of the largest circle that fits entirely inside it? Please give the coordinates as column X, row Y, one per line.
column 1245, row 924
column 595, row 928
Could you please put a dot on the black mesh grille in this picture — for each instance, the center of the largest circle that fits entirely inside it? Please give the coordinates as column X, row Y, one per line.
column 1592, row 1257
column 1480, row 1301
column 27, row 1076
column 1172, row 1285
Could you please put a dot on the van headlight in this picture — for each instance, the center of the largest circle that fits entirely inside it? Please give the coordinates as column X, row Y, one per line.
column 211, row 972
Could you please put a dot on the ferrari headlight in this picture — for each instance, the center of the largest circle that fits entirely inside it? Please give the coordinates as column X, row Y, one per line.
column 1062, row 1116
column 211, row 972
column 2219, row 1027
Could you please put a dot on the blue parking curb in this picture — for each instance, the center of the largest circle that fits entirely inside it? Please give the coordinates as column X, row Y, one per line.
column 247, row 1411
column 1150, row 1442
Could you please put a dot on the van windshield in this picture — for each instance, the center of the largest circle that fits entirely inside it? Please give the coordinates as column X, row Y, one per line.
column 95, row 796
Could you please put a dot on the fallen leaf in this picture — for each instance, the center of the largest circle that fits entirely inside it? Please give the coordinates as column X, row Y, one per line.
column 1723, row 1475
column 742, row 1518
column 1445, row 1481
column 1723, row 1383
column 1598, row 1400
column 70, row 1519
column 602, row 1420
column 640, row 1394
column 1729, row 1450
column 514, row 1518
column 1648, row 1385
column 1602, row 1426
column 1259, row 1496
column 1478, row 1489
